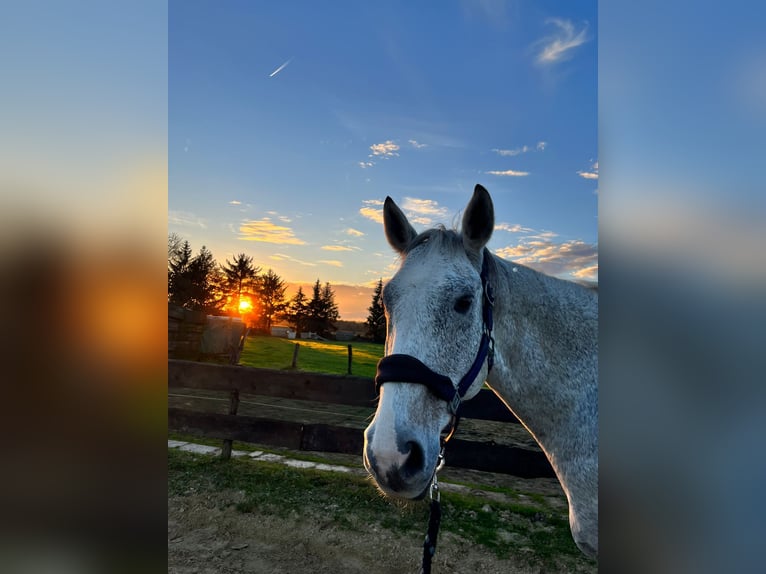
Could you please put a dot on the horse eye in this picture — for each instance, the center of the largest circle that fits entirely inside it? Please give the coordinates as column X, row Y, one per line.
column 463, row 304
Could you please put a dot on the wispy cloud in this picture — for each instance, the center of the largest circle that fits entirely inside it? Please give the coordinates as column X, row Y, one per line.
column 332, row 262
column 366, row 164
column 513, row 228
column 186, row 219
column 423, row 211
column 338, row 248
column 558, row 46
column 512, row 152
column 371, row 210
column 386, row 149
column 508, row 173
column 280, row 68
column 416, row 144
column 283, row 257
column 266, row 231
column 574, row 259
column 354, row 232
column 235, row 202
column 592, row 174
column 539, row 146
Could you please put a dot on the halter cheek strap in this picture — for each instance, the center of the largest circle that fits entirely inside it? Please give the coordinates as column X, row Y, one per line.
column 400, row 368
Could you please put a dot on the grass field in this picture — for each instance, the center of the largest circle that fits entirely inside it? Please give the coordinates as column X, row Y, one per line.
column 313, row 356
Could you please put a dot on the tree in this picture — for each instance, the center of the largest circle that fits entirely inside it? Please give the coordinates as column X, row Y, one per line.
column 271, row 298
column 330, row 308
column 206, row 281
column 376, row 320
column 179, row 277
column 322, row 310
column 194, row 282
column 297, row 312
column 241, row 280
column 174, row 244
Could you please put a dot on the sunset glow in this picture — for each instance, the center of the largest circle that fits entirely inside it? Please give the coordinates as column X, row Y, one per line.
column 245, row 306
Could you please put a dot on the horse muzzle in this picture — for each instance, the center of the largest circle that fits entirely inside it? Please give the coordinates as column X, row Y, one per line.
column 401, row 469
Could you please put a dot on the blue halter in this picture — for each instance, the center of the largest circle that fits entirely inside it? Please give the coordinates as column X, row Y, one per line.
column 407, row 369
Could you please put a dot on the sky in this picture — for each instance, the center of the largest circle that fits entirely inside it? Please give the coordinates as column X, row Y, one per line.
column 290, row 123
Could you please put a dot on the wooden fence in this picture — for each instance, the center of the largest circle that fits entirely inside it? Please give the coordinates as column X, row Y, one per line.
column 334, row 389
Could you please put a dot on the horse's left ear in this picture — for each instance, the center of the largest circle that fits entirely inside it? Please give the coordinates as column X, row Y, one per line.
column 478, row 220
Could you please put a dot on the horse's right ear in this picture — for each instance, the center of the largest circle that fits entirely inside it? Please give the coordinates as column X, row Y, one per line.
column 399, row 232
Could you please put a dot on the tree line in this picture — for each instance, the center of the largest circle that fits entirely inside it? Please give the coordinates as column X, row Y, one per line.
column 241, row 288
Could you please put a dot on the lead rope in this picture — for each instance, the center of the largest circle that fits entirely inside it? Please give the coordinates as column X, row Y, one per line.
column 434, row 518
column 435, row 514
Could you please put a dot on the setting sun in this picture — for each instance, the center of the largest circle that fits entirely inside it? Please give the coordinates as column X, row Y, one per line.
column 245, row 306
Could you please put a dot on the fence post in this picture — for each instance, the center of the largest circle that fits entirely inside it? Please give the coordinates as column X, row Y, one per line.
column 349, row 359
column 233, row 405
column 295, row 355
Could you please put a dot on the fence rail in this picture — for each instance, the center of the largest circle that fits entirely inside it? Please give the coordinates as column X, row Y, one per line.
column 333, row 389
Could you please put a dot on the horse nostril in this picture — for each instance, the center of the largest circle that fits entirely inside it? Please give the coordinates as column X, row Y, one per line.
column 415, row 459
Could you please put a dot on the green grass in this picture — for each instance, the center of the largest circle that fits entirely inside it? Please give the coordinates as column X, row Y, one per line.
column 351, row 502
column 313, row 356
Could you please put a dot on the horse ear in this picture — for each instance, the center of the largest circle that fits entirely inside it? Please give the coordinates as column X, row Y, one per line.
column 399, row 232
column 478, row 220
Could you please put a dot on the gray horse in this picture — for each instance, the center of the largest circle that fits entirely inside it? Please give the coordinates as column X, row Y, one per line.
column 545, row 358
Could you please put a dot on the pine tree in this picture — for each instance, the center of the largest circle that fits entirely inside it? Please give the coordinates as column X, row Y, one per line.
column 376, row 320
column 179, row 278
column 297, row 312
column 241, row 279
column 271, row 298
column 206, row 282
column 322, row 310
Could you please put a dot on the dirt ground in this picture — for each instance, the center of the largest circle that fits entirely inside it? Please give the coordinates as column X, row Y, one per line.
column 206, row 537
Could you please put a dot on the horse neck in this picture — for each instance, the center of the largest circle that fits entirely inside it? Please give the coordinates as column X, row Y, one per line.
column 545, row 370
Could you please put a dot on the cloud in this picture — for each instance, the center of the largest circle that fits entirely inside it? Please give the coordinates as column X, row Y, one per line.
column 541, row 146
column 333, row 262
column 513, row 228
column 235, row 202
column 558, row 46
column 337, row 248
column 508, row 173
column 366, row 164
column 423, row 211
column 386, row 149
column 186, row 219
column 283, row 257
column 266, row 231
column 586, row 272
column 416, row 144
column 511, row 152
column 572, row 259
column 371, row 211
column 354, row 232
column 592, row 174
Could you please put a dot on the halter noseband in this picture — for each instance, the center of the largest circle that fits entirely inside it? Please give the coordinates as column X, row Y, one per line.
column 400, row 368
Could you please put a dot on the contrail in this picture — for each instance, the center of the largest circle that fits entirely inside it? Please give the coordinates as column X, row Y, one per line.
column 280, row 68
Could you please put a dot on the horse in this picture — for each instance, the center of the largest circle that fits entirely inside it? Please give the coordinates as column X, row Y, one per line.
column 539, row 354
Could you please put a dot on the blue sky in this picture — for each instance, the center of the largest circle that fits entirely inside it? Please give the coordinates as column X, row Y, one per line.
column 289, row 124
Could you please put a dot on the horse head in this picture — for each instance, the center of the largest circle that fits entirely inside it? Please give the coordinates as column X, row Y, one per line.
column 436, row 313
